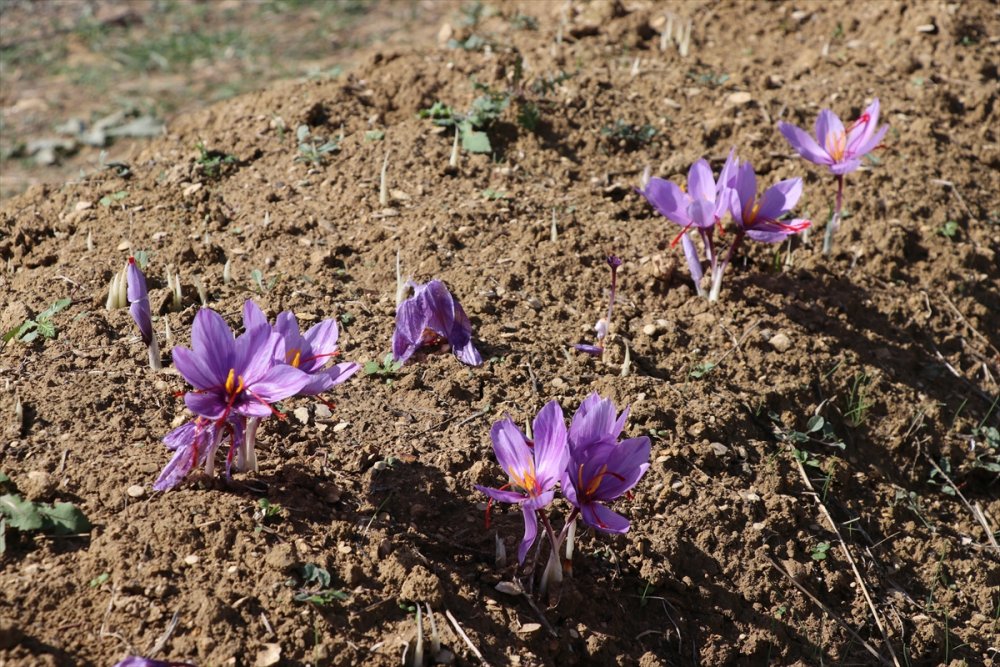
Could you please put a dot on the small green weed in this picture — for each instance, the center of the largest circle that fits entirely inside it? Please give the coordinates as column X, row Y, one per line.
column 108, row 200
column 42, row 325
column 628, row 136
column 386, row 369
column 27, row 516
column 316, row 586
column 857, row 400
column 820, row 551
column 212, row 161
column 314, row 149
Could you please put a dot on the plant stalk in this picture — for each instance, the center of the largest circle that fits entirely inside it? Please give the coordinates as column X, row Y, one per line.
column 834, row 223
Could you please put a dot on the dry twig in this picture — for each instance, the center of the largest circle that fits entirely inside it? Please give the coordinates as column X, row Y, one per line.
column 465, row 637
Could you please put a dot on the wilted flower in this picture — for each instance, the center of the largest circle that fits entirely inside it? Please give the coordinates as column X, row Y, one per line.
column 430, row 317
column 533, row 467
column 234, row 376
column 603, row 324
column 834, row 147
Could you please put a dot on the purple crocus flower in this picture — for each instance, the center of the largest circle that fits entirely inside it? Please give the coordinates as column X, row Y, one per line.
column 234, row 376
column 191, row 443
column 308, row 352
column 600, row 469
column 834, row 147
column 758, row 218
column 136, row 661
column 430, row 317
column 701, row 207
column 533, row 467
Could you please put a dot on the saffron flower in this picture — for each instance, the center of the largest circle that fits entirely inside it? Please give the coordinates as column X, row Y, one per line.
column 234, row 376
column 758, row 218
column 701, row 208
column 194, row 444
column 835, row 147
column 308, row 352
column 838, row 149
column 601, row 469
column 429, row 318
column 533, row 467
column 138, row 297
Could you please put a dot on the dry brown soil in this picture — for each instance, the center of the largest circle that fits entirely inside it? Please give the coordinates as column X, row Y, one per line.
column 893, row 340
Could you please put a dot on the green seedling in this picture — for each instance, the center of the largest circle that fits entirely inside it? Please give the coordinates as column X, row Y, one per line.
column 857, row 400
column 100, row 580
column 489, row 193
column 212, row 161
column 258, row 278
column 316, row 587
column 347, row 318
column 949, row 229
column 820, row 551
column 108, row 200
column 374, row 135
column 314, row 149
column 27, row 516
column 266, row 512
column 701, row 370
column 387, row 368
column 471, row 126
column 42, row 325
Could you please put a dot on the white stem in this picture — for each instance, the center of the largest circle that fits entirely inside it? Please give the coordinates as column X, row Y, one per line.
column 90, row 242
column 167, row 334
column 570, row 540
column 154, row 354
column 554, row 233
column 202, row 292
column 210, row 459
column 553, row 573
column 713, row 296
column 418, row 651
column 383, row 188
column 227, row 271
column 435, row 637
column 251, row 441
column 453, row 160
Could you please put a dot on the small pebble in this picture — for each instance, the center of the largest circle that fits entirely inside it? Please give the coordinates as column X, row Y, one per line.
column 780, row 342
column 323, row 412
column 530, row 627
column 341, row 426
column 302, row 414
column 191, row 560
column 136, row 491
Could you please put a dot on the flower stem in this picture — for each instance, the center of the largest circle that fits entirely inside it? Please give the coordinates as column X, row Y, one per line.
column 251, row 439
column 154, row 354
column 834, row 223
column 553, row 569
column 717, row 273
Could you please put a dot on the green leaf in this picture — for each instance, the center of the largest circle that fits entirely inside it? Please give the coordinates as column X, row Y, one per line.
column 476, row 142
column 701, row 370
column 374, row 135
column 64, row 519
column 314, row 573
column 370, row 368
column 46, row 328
column 23, row 514
column 814, row 424
column 54, row 308
column 100, row 579
column 30, row 336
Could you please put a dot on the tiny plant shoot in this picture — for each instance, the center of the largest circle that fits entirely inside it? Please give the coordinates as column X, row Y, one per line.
column 838, row 149
column 604, row 324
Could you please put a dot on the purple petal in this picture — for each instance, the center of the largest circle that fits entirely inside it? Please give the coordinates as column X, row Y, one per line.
column 845, row 167
column 136, row 282
column 411, row 320
column 863, row 128
column 530, row 532
column 702, row 213
column 595, row 350
column 629, row 460
column 551, row 450
column 253, row 316
column 177, row 469
column 693, row 261
column 600, row 517
column 440, row 306
column 209, row 405
column 254, row 353
column 872, row 143
column 278, row 383
column 804, row 144
column 143, row 318
column 212, row 341
column 746, row 188
column 779, row 199
column 700, row 183
column 500, row 495
column 727, row 174
column 460, row 338
column 196, row 371
column 322, row 341
column 829, row 130
column 509, row 445
column 667, row 198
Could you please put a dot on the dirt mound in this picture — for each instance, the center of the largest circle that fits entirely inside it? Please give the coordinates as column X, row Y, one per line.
column 730, row 560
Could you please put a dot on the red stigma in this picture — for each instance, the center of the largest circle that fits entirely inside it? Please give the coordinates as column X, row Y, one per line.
column 673, row 244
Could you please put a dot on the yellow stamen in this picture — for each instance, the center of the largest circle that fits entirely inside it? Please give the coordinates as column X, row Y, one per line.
column 596, row 482
column 836, row 144
column 294, row 357
column 234, row 382
column 525, row 480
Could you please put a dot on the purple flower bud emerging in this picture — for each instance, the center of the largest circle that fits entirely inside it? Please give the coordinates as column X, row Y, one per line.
column 138, row 297
column 834, row 147
column 533, row 467
column 430, row 317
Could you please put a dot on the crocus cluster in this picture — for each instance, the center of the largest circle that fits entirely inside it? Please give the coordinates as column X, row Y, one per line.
column 586, row 463
column 840, row 150
column 430, row 318
column 707, row 201
column 760, row 217
column 237, row 380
